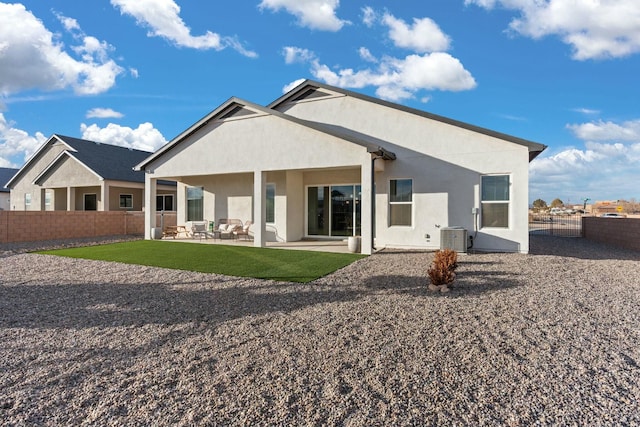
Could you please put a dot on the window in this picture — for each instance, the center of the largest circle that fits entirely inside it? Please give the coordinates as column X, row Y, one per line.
column 47, row 198
column 495, row 201
column 400, row 201
column 126, row 201
column 164, row 202
column 195, row 203
column 271, row 203
column 27, row 200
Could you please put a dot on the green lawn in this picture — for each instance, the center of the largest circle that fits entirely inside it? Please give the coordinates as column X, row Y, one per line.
column 262, row 263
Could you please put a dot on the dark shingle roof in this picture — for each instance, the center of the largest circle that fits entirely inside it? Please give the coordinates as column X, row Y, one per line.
column 109, row 161
column 5, row 175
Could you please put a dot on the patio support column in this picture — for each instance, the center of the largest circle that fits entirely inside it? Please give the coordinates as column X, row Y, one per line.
column 71, row 198
column 105, row 196
column 259, row 209
column 150, row 188
column 366, row 206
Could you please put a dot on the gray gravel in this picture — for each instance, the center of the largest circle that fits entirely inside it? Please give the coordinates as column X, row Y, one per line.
column 552, row 337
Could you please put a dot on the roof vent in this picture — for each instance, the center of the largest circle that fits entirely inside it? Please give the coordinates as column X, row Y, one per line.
column 310, row 94
column 235, row 111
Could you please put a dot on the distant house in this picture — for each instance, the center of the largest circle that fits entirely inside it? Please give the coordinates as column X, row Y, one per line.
column 5, row 175
column 75, row 174
column 322, row 162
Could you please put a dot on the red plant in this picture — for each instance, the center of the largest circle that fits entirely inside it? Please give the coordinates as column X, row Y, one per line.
column 442, row 270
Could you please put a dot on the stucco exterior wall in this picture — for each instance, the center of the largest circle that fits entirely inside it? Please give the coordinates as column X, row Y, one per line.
column 446, row 164
column 262, row 143
column 25, row 185
column 80, row 193
column 114, row 198
column 68, row 172
column 4, row 201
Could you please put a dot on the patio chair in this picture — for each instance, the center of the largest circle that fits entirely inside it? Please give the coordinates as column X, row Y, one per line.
column 199, row 228
column 226, row 227
column 244, row 231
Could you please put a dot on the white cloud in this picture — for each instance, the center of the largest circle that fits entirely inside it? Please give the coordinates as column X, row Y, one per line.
column 16, row 145
column 607, row 131
column 369, row 16
column 594, row 29
column 162, row 17
column 292, row 85
column 144, row 137
column 69, row 24
column 314, row 14
column 294, row 55
column 103, row 113
column 366, row 55
column 607, row 166
column 397, row 79
column 423, row 36
column 31, row 57
column 587, row 111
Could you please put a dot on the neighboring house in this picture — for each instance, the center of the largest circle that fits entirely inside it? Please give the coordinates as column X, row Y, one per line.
column 324, row 162
column 75, row 174
column 5, row 175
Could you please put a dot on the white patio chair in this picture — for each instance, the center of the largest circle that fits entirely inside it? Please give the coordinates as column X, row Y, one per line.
column 199, row 228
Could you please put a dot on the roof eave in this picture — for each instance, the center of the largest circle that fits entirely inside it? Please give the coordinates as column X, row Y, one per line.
column 34, row 156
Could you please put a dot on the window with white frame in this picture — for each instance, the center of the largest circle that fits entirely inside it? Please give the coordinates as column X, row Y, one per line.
column 495, row 201
column 271, row 203
column 400, row 202
column 195, row 203
column 126, row 201
column 47, row 198
column 27, row 200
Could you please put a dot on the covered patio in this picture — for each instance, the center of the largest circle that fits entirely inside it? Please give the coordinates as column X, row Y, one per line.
column 320, row 245
column 294, row 180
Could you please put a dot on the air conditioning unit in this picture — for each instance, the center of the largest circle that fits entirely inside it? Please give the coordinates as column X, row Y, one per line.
column 454, row 238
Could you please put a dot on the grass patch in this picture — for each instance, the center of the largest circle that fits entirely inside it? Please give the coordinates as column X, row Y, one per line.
column 242, row 261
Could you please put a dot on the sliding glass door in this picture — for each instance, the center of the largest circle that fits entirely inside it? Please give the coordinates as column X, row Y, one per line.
column 333, row 210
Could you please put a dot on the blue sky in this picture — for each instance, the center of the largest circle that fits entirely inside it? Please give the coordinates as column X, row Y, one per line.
column 564, row 73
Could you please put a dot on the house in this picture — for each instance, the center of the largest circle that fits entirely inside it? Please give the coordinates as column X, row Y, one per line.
column 322, row 162
column 5, row 175
column 75, row 174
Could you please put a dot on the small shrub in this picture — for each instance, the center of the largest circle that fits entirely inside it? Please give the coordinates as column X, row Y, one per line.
column 442, row 270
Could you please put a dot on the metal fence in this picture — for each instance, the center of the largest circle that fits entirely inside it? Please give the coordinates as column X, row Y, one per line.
column 556, row 225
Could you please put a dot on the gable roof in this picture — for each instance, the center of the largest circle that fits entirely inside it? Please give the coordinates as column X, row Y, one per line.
column 108, row 162
column 5, row 176
column 309, row 90
column 238, row 109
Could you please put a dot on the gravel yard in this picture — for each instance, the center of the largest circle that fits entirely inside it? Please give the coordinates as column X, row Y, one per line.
column 552, row 337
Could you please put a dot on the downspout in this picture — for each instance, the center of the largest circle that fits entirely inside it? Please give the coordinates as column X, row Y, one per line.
column 379, row 153
column 373, row 202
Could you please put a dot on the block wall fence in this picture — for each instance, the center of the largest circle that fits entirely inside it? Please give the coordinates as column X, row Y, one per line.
column 621, row 232
column 31, row 226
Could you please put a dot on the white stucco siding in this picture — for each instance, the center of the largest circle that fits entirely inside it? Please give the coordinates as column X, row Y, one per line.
column 25, row 185
column 5, row 201
column 446, row 163
column 408, row 131
column 69, row 173
column 258, row 143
